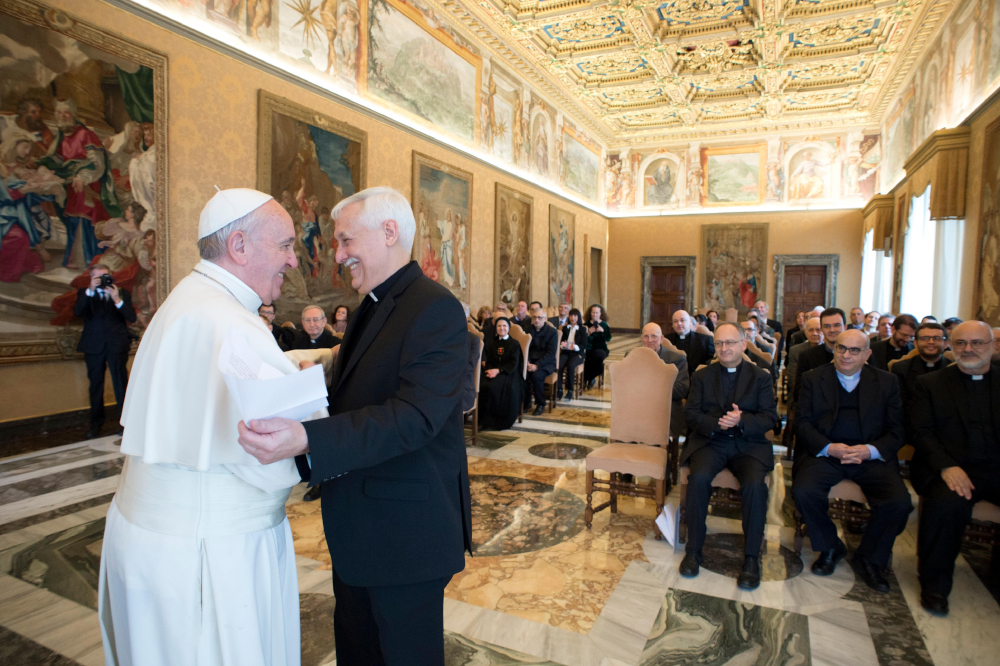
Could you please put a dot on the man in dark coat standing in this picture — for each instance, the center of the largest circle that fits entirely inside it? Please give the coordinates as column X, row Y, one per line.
column 698, row 347
column 106, row 311
column 391, row 455
column 849, row 425
column 730, row 408
column 541, row 358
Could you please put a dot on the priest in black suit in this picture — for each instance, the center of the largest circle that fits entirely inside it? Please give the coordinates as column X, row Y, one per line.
column 698, row 347
column 391, row 455
column 831, row 323
column 896, row 346
column 956, row 422
column 541, row 358
column 314, row 334
column 849, row 425
column 931, row 339
column 106, row 311
column 730, row 408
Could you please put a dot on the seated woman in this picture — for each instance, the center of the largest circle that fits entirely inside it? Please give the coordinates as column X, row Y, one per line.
column 340, row 315
column 598, row 335
column 501, row 388
column 574, row 345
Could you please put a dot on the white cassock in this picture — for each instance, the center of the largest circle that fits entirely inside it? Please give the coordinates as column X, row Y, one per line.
column 198, row 566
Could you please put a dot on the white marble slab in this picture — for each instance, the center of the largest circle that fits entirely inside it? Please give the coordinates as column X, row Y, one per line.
column 841, row 636
column 56, row 500
column 622, row 629
column 537, row 425
column 47, row 471
column 110, row 439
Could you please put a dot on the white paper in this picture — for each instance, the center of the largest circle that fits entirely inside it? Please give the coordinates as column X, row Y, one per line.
column 261, row 391
column 667, row 522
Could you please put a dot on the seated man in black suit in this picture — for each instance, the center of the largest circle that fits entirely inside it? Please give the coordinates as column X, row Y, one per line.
column 106, row 311
column 730, row 408
column 898, row 345
column 749, row 327
column 831, row 323
column 541, row 359
column 521, row 316
column 314, row 334
column 849, row 425
column 857, row 319
column 698, row 347
column 931, row 338
column 956, row 421
column 563, row 316
column 282, row 335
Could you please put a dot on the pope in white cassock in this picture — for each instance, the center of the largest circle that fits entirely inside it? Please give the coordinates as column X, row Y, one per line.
column 198, row 566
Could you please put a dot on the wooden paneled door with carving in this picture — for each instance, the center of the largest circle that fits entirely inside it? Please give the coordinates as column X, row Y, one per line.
column 805, row 288
column 667, row 294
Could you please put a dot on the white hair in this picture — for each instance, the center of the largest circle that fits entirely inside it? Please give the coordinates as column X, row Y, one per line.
column 66, row 105
column 213, row 246
column 379, row 204
column 313, row 307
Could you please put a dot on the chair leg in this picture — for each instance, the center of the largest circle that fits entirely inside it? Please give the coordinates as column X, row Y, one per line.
column 475, row 426
column 799, row 532
column 660, row 486
column 588, row 514
column 615, row 478
column 520, row 414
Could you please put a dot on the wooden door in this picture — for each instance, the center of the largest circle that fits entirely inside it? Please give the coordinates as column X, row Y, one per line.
column 668, row 293
column 805, row 288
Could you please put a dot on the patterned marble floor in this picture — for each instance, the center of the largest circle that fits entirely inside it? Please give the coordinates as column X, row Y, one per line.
column 542, row 589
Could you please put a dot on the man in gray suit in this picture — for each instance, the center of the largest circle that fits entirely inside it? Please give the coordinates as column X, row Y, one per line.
column 652, row 338
column 814, row 336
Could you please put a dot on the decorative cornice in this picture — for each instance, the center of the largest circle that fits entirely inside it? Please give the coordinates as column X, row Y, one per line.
column 942, row 139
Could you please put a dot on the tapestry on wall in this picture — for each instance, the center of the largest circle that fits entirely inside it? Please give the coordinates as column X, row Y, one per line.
column 988, row 287
column 734, row 257
column 82, row 157
column 442, row 203
column 514, row 212
column 308, row 162
column 562, row 244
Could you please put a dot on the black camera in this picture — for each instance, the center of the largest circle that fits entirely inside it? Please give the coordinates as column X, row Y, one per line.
column 106, row 281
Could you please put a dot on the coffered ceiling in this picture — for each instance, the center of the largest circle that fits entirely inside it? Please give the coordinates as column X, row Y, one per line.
column 652, row 71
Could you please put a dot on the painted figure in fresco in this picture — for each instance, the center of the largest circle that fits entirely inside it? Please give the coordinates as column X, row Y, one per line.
column 312, row 238
column 611, row 182
column 447, row 228
column 541, row 150
column 142, row 177
column 461, row 240
column 773, row 180
column 694, row 186
column 806, row 182
column 122, row 149
column 258, row 15
column 345, row 44
column 29, row 119
column 78, row 157
column 429, row 263
column 662, row 190
column 24, row 224
column 517, row 129
column 851, row 185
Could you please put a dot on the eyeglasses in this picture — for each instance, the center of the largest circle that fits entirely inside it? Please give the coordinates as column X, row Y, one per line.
column 974, row 344
column 853, row 351
column 930, row 338
column 727, row 343
column 314, row 320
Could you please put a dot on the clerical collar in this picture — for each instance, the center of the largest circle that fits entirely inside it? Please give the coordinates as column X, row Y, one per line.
column 247, row 297
column 683, row 336
column 732, row 369
column 505, row 337
column 379, row 292
column 849, row 378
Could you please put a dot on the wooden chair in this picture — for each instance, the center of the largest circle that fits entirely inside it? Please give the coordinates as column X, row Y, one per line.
column 725, row 494
column 754, row 349
column 639, row 435
column 524, row 339
column 474, row 412
column 701, row 328
column 985, row 527
column 733, row 316
column 329, row 328
column 552, row 381
column 289, row 324
column 910, row 354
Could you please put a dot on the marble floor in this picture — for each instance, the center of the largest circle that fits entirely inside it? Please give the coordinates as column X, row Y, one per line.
column 541, row 589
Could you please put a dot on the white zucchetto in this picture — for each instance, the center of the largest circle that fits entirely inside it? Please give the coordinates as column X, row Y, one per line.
column 228, row 206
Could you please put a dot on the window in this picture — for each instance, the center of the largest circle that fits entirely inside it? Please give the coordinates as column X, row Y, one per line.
column 932, row 251
column 876, row 277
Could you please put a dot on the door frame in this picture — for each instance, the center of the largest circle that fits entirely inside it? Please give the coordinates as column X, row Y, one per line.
column 646, row 265
column 832, row 263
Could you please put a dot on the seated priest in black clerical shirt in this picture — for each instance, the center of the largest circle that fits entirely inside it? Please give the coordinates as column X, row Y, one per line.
column 931, row 339
column 898, row 345
column 314, row 334
column 956, row 422
column 541, row 358
column 730, row 408
column 849, row 425
column 831, row 324
column 698, row 347
column 501, row 388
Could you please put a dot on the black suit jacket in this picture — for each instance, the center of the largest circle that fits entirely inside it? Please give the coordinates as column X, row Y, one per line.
column 699, row 348
column 706, row 405
column 880, row 354
column 469, row 385
column 326, row 340
column 777, row 328
column 525, row 323
column 908, row 371
column 811, row 359
column 881, row 411
column 542, row 351
column 391, row 455
column 938, row 418
column 105, row 327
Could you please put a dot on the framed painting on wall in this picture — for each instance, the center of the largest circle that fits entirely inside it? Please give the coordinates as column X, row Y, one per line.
column 581, row 164
column 83, row 168
column 734, row 176
column 987, row 293
column 514, row 214
column 734, row 257
column 309, row 162
column 442, row 204
column 562, row 259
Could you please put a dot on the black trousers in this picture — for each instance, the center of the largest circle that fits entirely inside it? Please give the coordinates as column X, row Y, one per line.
column 398, row 625
column 703, row 465
column 882, row 485
column 943, row 518
column 535, row 387
column 568, row 363
column 116, row 362
column 593, row 367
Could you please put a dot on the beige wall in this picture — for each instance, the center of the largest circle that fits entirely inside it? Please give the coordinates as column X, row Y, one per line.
column 818, row 232
column 212, row 140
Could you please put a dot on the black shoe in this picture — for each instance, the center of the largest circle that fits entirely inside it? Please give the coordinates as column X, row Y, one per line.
column 569, row 396
column 93, row 433
column 871, row 573
column 750, row 576
column 691, row 564
column 827, row 560
column 934, row 603
column 538, row 410
column 312, row 494
column 591, row 383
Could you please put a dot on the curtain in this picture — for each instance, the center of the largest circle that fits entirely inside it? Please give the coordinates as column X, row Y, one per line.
column 137, row 89
column 876, row 277
column 868, row 261
column 917, row 288
column 947, row 267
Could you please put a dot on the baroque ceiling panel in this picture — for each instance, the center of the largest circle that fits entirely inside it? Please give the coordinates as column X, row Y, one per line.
column 663, row 70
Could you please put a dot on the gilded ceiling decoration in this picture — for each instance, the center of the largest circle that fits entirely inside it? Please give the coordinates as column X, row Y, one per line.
column 660, row 70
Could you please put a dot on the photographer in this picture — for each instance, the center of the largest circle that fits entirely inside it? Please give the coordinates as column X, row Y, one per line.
column 106, row 311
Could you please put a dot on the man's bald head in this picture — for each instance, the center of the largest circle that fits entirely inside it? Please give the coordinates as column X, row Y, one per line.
column 814, row 331
column 972, row 342
column 681, row 322
column 851, row 352
column 854, row 338
column 652, row 336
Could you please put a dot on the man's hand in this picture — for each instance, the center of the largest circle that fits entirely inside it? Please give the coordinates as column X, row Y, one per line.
column 532, row 367
column 856, row 455
column 958, row 480
column 493, row 373
column 305, row 364
column 77, row 183
column 95, row 282
column 271, row 440
column 839, row 451
column 112, row 291
column 563, row 344
column 731, row 419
